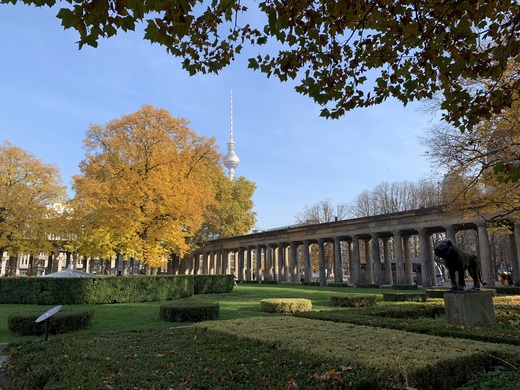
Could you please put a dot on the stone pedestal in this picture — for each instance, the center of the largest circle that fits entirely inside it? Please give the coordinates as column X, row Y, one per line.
column 473, row 308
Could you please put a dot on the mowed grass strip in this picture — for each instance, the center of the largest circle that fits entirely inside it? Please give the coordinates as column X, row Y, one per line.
column 401, row 357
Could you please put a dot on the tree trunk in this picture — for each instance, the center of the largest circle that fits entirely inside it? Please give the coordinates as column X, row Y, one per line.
column 32, row 269
column 50, row 263
column 13, row 266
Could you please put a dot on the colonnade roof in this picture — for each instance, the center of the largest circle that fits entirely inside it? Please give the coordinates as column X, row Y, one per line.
column 432, row 220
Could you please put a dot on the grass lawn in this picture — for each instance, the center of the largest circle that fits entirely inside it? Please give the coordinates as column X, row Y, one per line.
column 242, row 302
column 129, row 347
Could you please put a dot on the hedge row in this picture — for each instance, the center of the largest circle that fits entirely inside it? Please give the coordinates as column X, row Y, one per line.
column 404, row 297
column 354, row 300
column 109, row 289
column 285, row 305
column 180, row 311
column 25, row 324
column 213, row 284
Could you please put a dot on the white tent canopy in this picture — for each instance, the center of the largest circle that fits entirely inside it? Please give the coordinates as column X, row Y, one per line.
column 69, row 273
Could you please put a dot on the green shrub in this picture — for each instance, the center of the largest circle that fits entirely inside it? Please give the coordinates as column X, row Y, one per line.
column 368, row 285
column 404, row 297
column 269, row 282
column 338, row 285
column 507, row 290
column 189, row 311
column 354, row 300
column 409, row 311
column 213, row 284
column 310, row 283
column 285, row 305
column 65, row 321
column 109, row 289
column 404, row 287
column 435, row 292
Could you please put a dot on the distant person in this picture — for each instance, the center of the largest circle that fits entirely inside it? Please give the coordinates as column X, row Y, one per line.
column 503, row 278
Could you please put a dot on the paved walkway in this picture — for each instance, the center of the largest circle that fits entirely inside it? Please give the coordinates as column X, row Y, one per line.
column 5, row 384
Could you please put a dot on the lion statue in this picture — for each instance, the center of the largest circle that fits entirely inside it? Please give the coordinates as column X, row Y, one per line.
column 457, row 260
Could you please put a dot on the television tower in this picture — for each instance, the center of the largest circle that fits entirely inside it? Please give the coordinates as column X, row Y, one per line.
column 231, row 159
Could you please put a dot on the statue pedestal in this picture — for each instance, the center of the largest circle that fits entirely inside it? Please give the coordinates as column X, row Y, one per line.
column 469, row 307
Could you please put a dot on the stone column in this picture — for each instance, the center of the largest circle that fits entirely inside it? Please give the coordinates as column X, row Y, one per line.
column 451, row 234
column 268, row 263
column 408, row 267
column 488, row 270
column 113, row 266
column 369, row 263
column 275, row 270
column 355, row 271
column 212, row 263
column 204, row 269
column 224, row 262
column 219, row 263
column 249, row 263
column 280, row 249
column 307, row 261
column 293, row 263
column 388, row 264
column 196, row 264
column 399, row 259
column 241, row 263
column 286, row 269
column 426, row 259
column 376, row 260
column 3, row 261
column 338, row 268
column 258, row 266
column 516, row 259
column 322, row 262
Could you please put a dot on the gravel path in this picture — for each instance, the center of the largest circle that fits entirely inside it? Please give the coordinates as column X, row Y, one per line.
column 5, row 383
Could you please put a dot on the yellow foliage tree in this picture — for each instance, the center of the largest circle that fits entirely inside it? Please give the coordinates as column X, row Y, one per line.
column 146, row 182
column 31, row 195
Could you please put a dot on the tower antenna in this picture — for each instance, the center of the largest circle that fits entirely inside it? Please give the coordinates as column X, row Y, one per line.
column 231, row 159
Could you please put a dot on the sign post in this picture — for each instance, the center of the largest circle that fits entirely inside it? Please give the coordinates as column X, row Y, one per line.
column 46, row 316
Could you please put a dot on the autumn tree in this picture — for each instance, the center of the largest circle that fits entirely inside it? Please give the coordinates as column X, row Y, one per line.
column 394, row 197
column 481, row 168
column 31, row 193
column 346, row 54
column 233, row 214
column 146, row 185
column 322, row 211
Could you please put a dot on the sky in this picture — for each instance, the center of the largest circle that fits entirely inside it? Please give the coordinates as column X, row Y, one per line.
column 50, row 92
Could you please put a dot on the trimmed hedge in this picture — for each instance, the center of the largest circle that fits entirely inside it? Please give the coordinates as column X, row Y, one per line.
column 439, row 292
column 110, row 289
column 404, row 286
column 507, row 290
column 368, row 285
column 436, row 292
column 338, row 285
column 354, row 300
column 404, row 297
column 183, row 311
column 62, row 322
column 213, row 284
column 285, row 305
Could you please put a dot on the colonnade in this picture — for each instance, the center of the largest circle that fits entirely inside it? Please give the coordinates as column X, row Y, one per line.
column 285, row 254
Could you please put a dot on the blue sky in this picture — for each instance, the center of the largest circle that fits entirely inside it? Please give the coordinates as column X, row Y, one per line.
column 50, row 92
